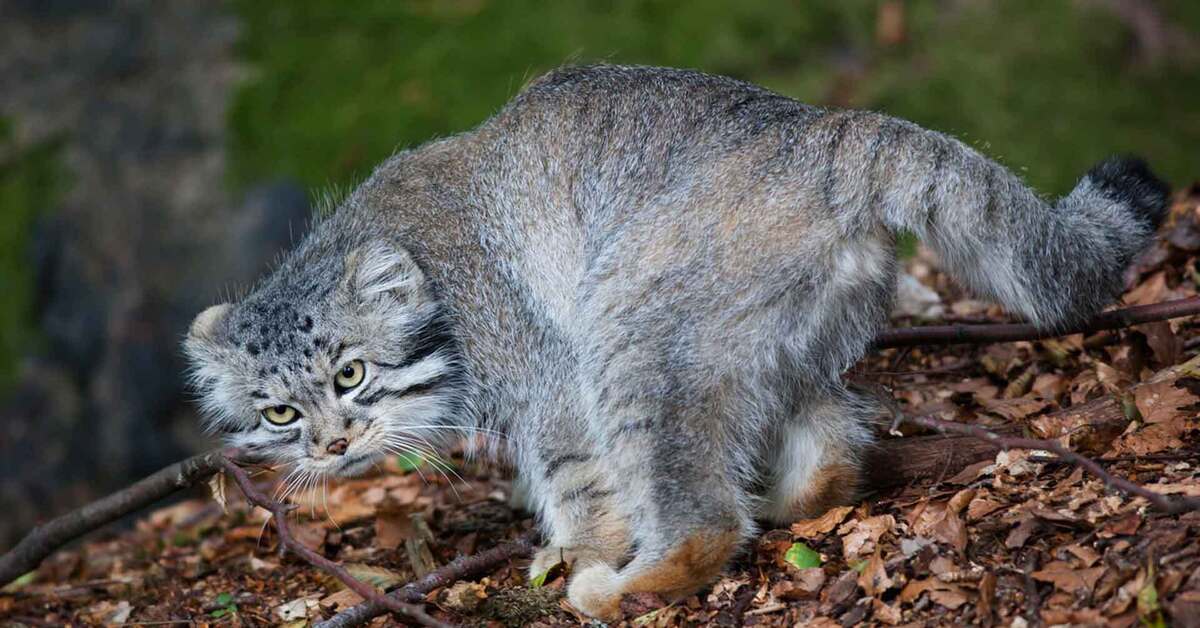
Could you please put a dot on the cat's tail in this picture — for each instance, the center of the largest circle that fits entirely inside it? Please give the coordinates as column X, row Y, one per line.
column 1054, row 263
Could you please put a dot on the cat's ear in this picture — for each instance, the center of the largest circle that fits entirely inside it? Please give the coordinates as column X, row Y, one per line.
column 205, row 325
column 381, row 269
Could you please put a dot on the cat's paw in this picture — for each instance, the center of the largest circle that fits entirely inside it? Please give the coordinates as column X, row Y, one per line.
column 595, row 590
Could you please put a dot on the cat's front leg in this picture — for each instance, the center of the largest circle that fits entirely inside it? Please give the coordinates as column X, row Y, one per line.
column 573, row 499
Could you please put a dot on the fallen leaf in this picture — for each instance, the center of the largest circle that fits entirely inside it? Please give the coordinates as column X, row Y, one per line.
column 802, row 556
column 861, row 535
column 812, row 528
column 805, row 584
column 874, row 578
column 378, row 577
column 464, row 597
column 1068, row 579
column 885, row 613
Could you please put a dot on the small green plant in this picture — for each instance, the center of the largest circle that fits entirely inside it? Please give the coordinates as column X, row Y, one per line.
column 227, row 606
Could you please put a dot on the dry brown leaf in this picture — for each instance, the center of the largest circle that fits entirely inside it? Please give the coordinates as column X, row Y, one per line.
column 1085, row 554
column 341, row 600
column 812, row 528
column 951, row 597
column 1161, row 402
column 1050, row 386
column 859, row 536
column 393, row 526
column 464, row 597
column 874, row 578
column 1020, row 534
column 885, row 613
column 1067, row 578
column 914, row 588
column 805, row 584
column 938, row 521
column 983, row 505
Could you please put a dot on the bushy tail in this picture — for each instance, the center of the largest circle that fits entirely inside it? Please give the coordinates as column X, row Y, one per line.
column 1053, row 263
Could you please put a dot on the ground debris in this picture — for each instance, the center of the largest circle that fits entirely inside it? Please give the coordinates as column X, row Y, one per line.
column 1016, row 540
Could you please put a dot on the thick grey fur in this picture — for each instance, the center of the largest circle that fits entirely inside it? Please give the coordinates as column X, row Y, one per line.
column 642, row 285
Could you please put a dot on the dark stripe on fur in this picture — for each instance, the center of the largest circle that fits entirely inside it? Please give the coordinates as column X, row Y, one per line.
column 415, row 389
column 429, row 337
column 830, row 180
column 587, row 491
column 555, row 464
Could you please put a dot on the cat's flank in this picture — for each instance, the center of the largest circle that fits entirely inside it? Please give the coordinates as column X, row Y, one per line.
column 642, row 286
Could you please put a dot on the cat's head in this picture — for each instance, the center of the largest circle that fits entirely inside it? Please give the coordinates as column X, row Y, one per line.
column 332, row 363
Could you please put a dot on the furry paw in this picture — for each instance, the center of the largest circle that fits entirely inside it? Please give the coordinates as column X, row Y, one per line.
column 596, row 591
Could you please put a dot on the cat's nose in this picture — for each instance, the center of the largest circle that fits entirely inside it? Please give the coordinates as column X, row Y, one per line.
column 338, row 447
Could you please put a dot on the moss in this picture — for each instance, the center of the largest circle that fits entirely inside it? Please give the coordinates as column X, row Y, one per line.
column 1045, row 86
column 29, row 184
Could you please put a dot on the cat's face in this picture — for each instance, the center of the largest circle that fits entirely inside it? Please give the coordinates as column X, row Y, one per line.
column 329, row 365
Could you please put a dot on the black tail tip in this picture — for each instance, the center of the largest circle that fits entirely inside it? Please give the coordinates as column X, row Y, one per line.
column 1128, row 180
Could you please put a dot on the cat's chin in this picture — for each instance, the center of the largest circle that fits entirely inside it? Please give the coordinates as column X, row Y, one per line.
column 355, row 466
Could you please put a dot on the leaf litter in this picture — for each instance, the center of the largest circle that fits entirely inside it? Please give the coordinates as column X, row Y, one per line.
column 1017, row 540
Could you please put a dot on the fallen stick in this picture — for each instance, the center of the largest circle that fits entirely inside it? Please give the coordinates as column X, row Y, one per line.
column 279, row 512
column 902, row 460
column 48, row 537
column 895, row 462
column 1164, row 503
column 459, row 569
column 1008, row 332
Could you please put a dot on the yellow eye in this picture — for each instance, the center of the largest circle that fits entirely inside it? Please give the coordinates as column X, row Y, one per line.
column 280, row 415
column 350, row 376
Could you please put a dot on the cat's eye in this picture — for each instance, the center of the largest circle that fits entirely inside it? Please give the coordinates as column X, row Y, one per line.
column 280, row 415
column 350, row 376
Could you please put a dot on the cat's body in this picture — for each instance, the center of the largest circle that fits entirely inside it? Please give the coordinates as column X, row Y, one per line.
column 649, row 282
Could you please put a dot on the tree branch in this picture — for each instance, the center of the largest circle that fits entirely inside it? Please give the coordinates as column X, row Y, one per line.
column 279, row 511
column 48, row 537
column 459, row 569
column 1162, row 502
column 973, row 334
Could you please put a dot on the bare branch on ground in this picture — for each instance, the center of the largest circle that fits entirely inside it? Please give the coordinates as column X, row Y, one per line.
column 1008, row 332
column 1165, row 503
column 279, row 511
column 48, row 537
column 460, row 568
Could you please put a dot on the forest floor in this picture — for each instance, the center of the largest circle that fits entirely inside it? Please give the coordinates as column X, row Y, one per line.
column 1021, row 539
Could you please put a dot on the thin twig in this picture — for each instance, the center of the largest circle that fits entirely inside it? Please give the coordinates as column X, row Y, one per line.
column 1006, row 332
column 458, row 569
column 279, row 512
column 1162, row 502
column 48, row 537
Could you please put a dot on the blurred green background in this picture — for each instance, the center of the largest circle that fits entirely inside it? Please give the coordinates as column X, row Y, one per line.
column 330, row 88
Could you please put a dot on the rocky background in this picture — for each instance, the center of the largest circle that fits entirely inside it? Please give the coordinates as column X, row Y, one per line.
column 133, row 96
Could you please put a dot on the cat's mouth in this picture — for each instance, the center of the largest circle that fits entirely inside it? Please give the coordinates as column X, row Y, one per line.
column 356, row 465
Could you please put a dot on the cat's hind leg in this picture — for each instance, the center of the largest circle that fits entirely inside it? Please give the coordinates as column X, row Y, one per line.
column 815, row 462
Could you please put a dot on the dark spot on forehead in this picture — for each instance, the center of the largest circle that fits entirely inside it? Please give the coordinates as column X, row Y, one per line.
column 262, row 372
column 306, row 325
column 308, row 353
column 274, row 370
column 317, row 342
column 252, row 348
column 258, row 394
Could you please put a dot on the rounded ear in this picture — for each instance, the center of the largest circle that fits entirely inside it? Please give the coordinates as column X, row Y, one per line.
column 206, row 322
column 378, row 268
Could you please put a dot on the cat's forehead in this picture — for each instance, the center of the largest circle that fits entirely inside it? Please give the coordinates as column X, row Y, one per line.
column 266, row 327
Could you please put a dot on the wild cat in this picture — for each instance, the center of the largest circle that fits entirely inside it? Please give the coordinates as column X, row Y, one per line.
column 646, row 283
